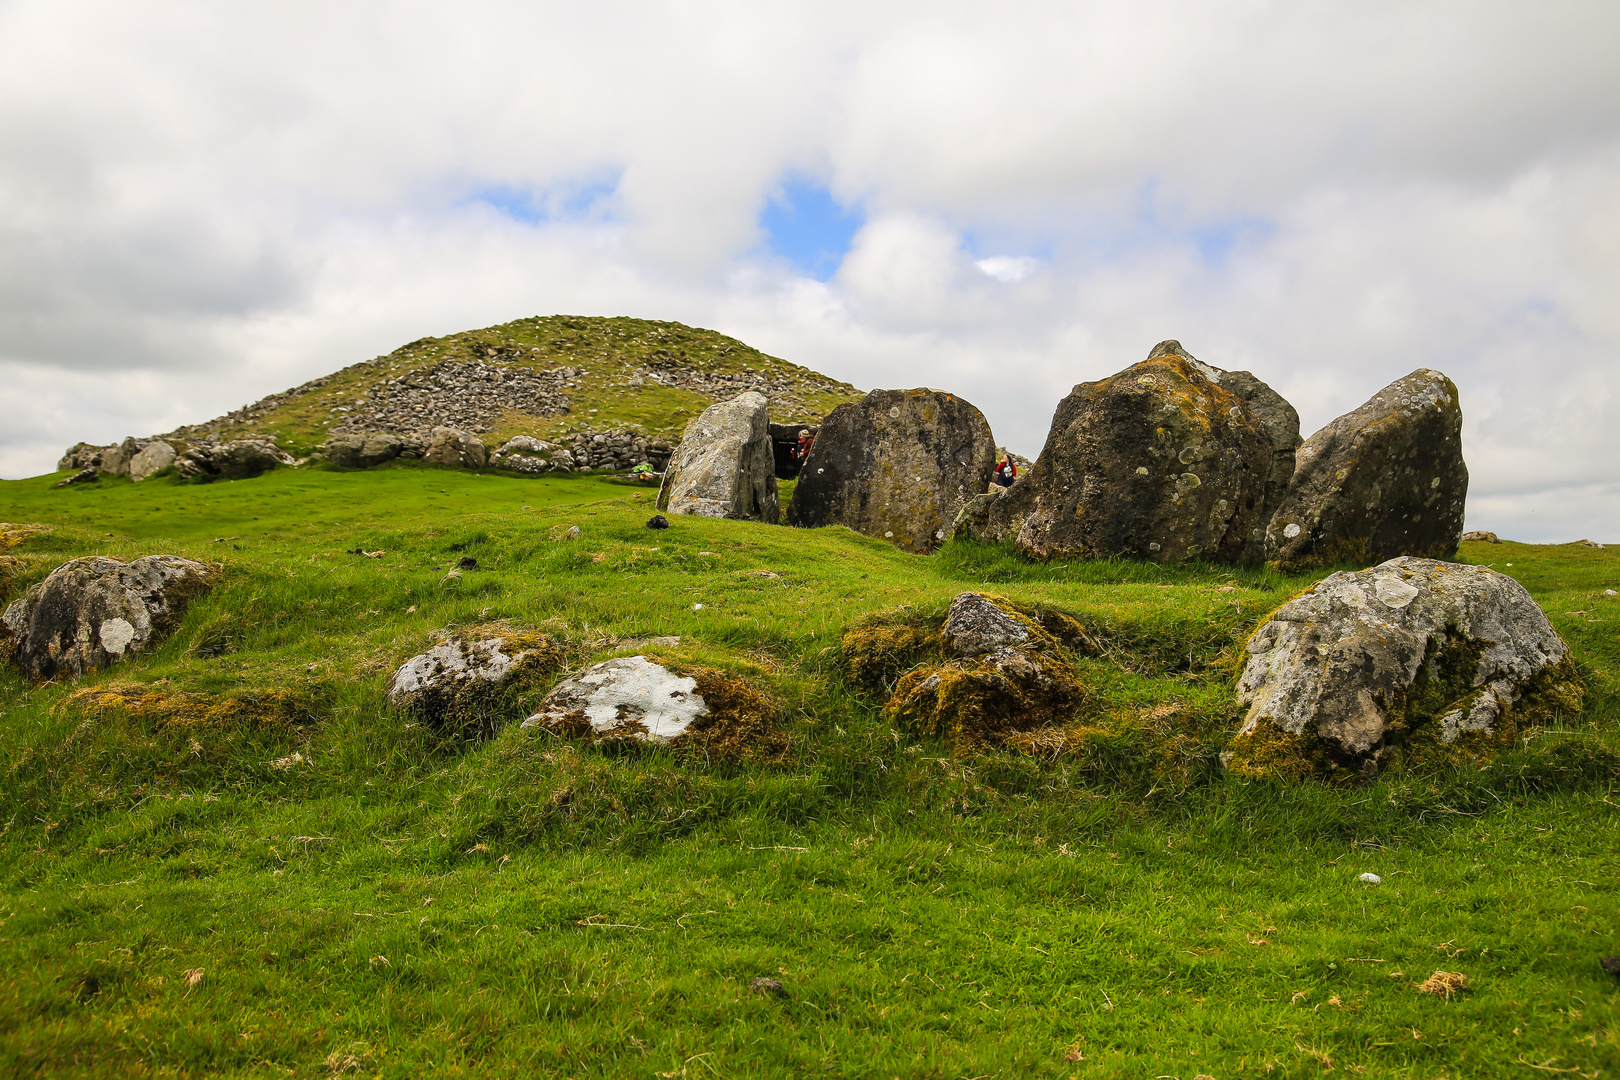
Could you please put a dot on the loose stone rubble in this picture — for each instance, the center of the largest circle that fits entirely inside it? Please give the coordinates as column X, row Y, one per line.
column 1413, row 659
column 92, row 612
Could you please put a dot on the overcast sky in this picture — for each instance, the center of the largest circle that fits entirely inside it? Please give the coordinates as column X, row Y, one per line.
column 201, row 203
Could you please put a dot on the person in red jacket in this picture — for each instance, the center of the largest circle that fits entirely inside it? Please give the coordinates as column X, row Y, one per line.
column 1006, row 472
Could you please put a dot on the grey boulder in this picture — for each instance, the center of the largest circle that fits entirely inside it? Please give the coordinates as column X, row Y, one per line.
column 527, row 454
column 1160, row 461
column 1385, row 480
column 461, row 685
column 156, row 456
column 451, row 446
column 898, row 464
column 362, row 451
column 235, row 460
column 91, row 612
column 1411, row 656
column 724, row 465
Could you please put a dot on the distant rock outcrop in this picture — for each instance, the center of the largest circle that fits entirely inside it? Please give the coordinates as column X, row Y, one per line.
column 447, row 446
column 94, row 611
column 1160, row 461
column 1412, row 657
column 527, row 454
column 724, row 466
column 156, row 456
column 235, row 460
column 1385, row 480
column 898, row 464
column 357, row 451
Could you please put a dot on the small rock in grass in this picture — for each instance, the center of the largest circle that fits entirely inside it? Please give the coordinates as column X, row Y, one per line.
column 763, row 985
column 1371, row 879
column 658, row 521
column 1611, row 964
column 83, row 476
column 1610, row 592
column 573, row 533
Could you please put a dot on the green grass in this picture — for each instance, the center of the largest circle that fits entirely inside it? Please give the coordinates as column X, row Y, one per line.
column 387, row 903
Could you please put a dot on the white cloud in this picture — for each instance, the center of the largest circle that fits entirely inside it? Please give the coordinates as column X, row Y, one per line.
column 200, row 204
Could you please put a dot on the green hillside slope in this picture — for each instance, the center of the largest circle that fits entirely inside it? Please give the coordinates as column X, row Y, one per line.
column 231, row 856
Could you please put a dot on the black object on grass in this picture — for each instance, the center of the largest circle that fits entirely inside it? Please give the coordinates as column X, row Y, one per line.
column 658, row 521
column 467, row 563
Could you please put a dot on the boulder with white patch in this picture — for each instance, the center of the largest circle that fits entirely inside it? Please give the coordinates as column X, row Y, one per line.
column 466, row 687
column 1413, row 659
column 638, row 700
column 527, row 454
column 95, row 611
column 724, row 466
column 1385, row 480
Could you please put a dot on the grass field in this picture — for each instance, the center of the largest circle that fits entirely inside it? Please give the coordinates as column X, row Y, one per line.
column 254, row 867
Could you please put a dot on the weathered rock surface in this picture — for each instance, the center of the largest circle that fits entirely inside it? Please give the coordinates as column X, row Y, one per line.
column 86, row 475
column 724, row 465
column 91, row 612
column 630, row 697
column 1385, row 480
column 974, row 625
column 1481, row 537
column 153, row 458
column 1409, row 657
column 527, row 454
column 448, row 446
column 236, row 460
column 461, row 686
column 636, row 699
column 363, row 450
column 898, row 464
column 1160, row 461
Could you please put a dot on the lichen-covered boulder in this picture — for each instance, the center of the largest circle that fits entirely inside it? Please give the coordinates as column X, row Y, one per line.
column 81, row 455
column 235, row 460
column 150, row 460
column 635, row 699
column 1411, row 660
column 724, row 465
column 450, row 446
column 898, row 464
column 1385, row 480
column 467, row 687
column 91, row 612
column 1160, row 461
column 527, row 454
column 362, row 451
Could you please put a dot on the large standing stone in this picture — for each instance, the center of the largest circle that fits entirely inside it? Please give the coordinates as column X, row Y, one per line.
column 92, row 611
column 156, row 456
column 1387, row 479
column 236, row 460
column 450, row 446
column 898, row 464
column 1409, row 656
column 1160, row 461
column 724, row 466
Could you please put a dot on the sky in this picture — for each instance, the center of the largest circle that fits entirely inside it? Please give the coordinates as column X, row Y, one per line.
column 202, row 203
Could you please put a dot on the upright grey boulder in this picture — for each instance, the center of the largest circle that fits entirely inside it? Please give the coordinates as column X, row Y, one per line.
column 93, row 611
column 450, row 446
column 1160, row 461
column 1411, row 657
column 1385, row 480
column 724, row 466
column 898, row 464
column 156, row 456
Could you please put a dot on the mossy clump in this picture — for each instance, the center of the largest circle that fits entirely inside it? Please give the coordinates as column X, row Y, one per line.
column 189, row 712
column 875, row 655
column 975, row 702
column 741, row 724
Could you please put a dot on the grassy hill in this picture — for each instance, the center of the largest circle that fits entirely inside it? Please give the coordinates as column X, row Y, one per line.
column 230, row 856
column 542, row 376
